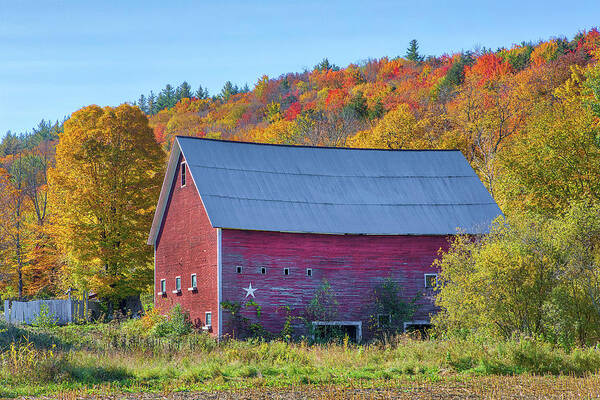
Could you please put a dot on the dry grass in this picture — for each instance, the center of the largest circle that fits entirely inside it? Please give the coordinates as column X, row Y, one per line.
column 492, row 387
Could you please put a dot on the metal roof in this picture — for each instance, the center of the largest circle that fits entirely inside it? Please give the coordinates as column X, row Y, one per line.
column 336, row 190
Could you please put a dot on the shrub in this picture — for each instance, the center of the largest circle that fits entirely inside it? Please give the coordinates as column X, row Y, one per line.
column 45, row 319
column 175, row 325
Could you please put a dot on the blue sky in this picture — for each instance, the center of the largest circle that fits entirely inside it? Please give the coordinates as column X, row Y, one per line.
column 58, row 56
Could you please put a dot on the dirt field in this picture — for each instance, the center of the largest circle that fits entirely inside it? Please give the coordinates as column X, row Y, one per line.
column 519, row 387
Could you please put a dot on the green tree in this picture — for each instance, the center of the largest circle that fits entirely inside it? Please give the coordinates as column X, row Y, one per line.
column 530, row 275
column 104, row 188
column 151, row 104
column 325, row 65
column 142, row 104
column 202, row 93
column 412, row 53
column 229, row 89
column 184, row 91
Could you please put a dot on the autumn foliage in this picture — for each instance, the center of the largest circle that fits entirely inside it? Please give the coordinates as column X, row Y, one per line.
column 526, row 118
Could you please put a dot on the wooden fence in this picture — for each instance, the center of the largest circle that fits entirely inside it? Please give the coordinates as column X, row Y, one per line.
column 62, row 311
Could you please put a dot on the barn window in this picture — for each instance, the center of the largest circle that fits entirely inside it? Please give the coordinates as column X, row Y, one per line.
column 308, row 271
column 263, row 270
column 238, row 269
column 183, row 172
column 430, row 281
column 286, row 271
column 163, row 287
column 208, row 318
column 177, row 285
column 194, row 282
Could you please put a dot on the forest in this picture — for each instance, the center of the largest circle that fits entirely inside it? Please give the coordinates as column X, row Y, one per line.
column 77, row 196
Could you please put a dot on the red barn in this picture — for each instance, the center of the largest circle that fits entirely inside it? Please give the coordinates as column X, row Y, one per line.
column 263, row 227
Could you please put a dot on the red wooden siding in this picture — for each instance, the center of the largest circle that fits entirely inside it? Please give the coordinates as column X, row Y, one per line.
column 187, row 244
column 353, row 264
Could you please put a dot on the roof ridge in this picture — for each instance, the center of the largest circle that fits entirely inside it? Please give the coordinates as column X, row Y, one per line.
column 334, row 176
column 350, row 204
column 310, row 147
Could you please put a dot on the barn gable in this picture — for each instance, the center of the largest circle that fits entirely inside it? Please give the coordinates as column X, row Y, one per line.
column 253, row 186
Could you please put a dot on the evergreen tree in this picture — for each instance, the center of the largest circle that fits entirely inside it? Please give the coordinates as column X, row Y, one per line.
column 151, row 103
column 141, row 103
column 412, row 53
column 166, row 98
column 325, row 65
column 184, row 91
column 202, row 93
column 229, row 89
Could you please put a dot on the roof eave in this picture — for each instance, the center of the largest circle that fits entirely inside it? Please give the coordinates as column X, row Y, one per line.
column 164, row 193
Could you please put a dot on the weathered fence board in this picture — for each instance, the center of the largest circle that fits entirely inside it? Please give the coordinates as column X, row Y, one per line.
column 25, row 312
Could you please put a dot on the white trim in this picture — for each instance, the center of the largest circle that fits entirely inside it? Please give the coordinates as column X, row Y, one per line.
column 163, row 292
column 219, row 283
column 286, row 273
column 177, row 289
column 192, row 286
column 309, row 272
column 164, row 192
column 181, row 174
column 358, row 325
column 239, row 268
column 261, row 270
column 425, row 280
column 416, row 322
column 205, row 314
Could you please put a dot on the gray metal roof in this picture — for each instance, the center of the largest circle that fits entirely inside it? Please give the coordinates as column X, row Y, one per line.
column 337, row 190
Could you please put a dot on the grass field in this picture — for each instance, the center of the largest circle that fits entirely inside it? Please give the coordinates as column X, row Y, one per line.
column 116, row 361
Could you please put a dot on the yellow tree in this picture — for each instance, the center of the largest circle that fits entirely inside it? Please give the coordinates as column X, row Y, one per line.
column 557, row 161
column 398, row 129
column 103, row 191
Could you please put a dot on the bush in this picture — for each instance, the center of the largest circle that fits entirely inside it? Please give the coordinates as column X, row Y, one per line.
column 175, row 325
column 45, row 319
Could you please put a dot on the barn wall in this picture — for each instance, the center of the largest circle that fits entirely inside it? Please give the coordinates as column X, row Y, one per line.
column 352, row 264
column 187, row 244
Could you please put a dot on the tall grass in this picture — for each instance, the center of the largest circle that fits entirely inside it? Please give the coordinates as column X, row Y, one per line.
column 123, row 358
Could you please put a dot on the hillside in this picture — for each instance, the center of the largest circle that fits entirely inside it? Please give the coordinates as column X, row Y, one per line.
column 526, row 118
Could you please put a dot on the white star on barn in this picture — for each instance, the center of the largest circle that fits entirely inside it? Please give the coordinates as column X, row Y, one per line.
column 250, row 290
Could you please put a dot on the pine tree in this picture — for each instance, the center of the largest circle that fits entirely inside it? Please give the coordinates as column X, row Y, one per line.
column 412, row 53
column 229, row 89
column 141, row 103
column 201, row 93
column 151, row 103
column 166, row 98
column 325, row 65
column 184, row 91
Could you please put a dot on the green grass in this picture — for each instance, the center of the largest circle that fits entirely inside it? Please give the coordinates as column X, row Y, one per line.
column 118, row 358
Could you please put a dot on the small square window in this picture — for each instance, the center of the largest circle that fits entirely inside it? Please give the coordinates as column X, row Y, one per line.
column 286, row 271
column 430, row 281
column 263, row 270
column 183, row 173
column 308, row 271
column 194, row 281
column 208, row 318
column 163, row 286
column 238, row 269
